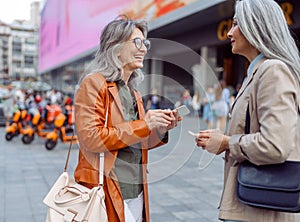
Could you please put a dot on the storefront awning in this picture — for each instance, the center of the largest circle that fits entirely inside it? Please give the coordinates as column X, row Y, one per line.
column 191, row 18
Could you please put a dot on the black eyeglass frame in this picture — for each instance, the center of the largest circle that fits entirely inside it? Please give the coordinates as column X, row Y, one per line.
column 138, row 42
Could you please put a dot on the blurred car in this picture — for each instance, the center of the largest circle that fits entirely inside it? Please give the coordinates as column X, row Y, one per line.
column 2, row 116
column 3, row 92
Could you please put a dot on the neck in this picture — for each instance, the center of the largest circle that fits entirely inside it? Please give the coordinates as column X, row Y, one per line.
column 252, row 55
column 126, row 76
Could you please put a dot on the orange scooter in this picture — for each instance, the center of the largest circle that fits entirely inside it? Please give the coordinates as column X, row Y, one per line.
column 40, row 124
column 17, row 124
column 63, row 129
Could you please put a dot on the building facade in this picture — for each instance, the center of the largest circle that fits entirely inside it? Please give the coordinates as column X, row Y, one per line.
column 19, row 47
column 190, row 49
column 4, row 51
column 24, row 51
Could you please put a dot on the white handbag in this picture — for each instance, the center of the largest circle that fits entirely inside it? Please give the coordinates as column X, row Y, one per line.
column 69, row 201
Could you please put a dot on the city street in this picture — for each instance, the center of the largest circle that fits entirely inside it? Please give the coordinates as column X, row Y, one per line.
column 185, row 182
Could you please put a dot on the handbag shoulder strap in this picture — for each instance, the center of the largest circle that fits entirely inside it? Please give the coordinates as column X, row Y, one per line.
column 101, row 155
column 247, row 125
column 101, row 162
column 69, row 151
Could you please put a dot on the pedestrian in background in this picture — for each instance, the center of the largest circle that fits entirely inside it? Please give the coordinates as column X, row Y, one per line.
column 271, row 90
column 208, row 101
column 110, row 87
column 221, row 105
column 153, row 101
column 8, row 104
column 196, row 104
column 187, row 99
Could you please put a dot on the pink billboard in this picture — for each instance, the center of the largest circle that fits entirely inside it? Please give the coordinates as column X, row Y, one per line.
column 72, row 27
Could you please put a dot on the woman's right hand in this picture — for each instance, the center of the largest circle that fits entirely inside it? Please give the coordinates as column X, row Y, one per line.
column 213, row 140
column 158, row 118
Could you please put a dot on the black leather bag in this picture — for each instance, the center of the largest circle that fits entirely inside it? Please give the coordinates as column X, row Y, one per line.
column 273, row 187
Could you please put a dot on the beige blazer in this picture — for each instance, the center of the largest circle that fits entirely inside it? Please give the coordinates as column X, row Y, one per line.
column 272, row 92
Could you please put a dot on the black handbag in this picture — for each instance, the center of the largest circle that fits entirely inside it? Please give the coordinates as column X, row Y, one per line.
column 274, row 187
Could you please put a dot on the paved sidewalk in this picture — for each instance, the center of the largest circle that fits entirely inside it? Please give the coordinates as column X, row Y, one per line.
column 179, row 189
column 188, row 192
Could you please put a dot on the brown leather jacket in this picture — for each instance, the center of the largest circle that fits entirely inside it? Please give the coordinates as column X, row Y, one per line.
column 91, row 101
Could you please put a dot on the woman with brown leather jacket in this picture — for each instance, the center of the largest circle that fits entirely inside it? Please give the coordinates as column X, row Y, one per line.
column 107, row 93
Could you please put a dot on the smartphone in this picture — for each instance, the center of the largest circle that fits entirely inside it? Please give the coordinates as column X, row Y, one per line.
column 193, row 134
column 182, row 110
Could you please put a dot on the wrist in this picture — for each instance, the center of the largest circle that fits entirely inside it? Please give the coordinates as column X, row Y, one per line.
column 163, row 136
column 224, row 144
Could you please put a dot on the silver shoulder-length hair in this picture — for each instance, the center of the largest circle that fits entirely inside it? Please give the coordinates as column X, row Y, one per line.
column 263, row 24
column 106, row 60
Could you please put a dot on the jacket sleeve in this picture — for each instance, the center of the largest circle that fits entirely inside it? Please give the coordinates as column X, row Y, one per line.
column 91, row 100
column 275, row 108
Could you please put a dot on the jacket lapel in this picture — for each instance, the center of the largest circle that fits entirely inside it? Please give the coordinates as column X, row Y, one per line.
column 113, row 89
column 248, row 80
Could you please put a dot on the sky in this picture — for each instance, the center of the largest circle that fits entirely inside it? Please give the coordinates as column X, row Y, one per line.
column 14, row 9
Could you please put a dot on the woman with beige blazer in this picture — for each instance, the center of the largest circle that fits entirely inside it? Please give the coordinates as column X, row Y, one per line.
column 272, row 90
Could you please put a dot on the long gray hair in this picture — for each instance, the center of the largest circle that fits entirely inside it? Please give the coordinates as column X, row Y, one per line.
column 106, row 60
column 263, row 24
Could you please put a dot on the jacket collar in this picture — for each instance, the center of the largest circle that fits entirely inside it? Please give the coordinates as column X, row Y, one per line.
column 113, row 90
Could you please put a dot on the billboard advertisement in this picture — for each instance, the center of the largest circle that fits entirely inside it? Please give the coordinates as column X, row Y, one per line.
column 70, row 28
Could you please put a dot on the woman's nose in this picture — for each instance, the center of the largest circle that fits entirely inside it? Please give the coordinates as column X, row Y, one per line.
column 229, row 34
column 143, row 48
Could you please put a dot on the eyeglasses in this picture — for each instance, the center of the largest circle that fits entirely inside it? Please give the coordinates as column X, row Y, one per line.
column 139, row 43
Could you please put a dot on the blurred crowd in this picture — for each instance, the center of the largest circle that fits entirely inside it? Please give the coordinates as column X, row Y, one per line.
column 212, row 106
column 12, row 99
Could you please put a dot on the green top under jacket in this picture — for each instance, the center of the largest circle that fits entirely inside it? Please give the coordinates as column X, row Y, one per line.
column 128, row 167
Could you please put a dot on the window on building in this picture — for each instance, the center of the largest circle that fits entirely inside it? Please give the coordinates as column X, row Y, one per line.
column 17, row 47
column 16, row 64
column 30, row 41
column 29, row 61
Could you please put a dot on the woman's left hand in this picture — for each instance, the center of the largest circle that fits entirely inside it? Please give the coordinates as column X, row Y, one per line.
column 175, row 119
column 214, row 141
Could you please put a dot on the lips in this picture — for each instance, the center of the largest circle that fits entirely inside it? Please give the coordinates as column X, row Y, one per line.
column 140, row 56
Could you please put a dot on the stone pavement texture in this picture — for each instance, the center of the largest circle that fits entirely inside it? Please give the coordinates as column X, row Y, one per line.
column 185, row 182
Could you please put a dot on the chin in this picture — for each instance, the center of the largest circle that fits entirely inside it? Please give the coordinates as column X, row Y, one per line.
column 139, row 65
column 234, row 51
